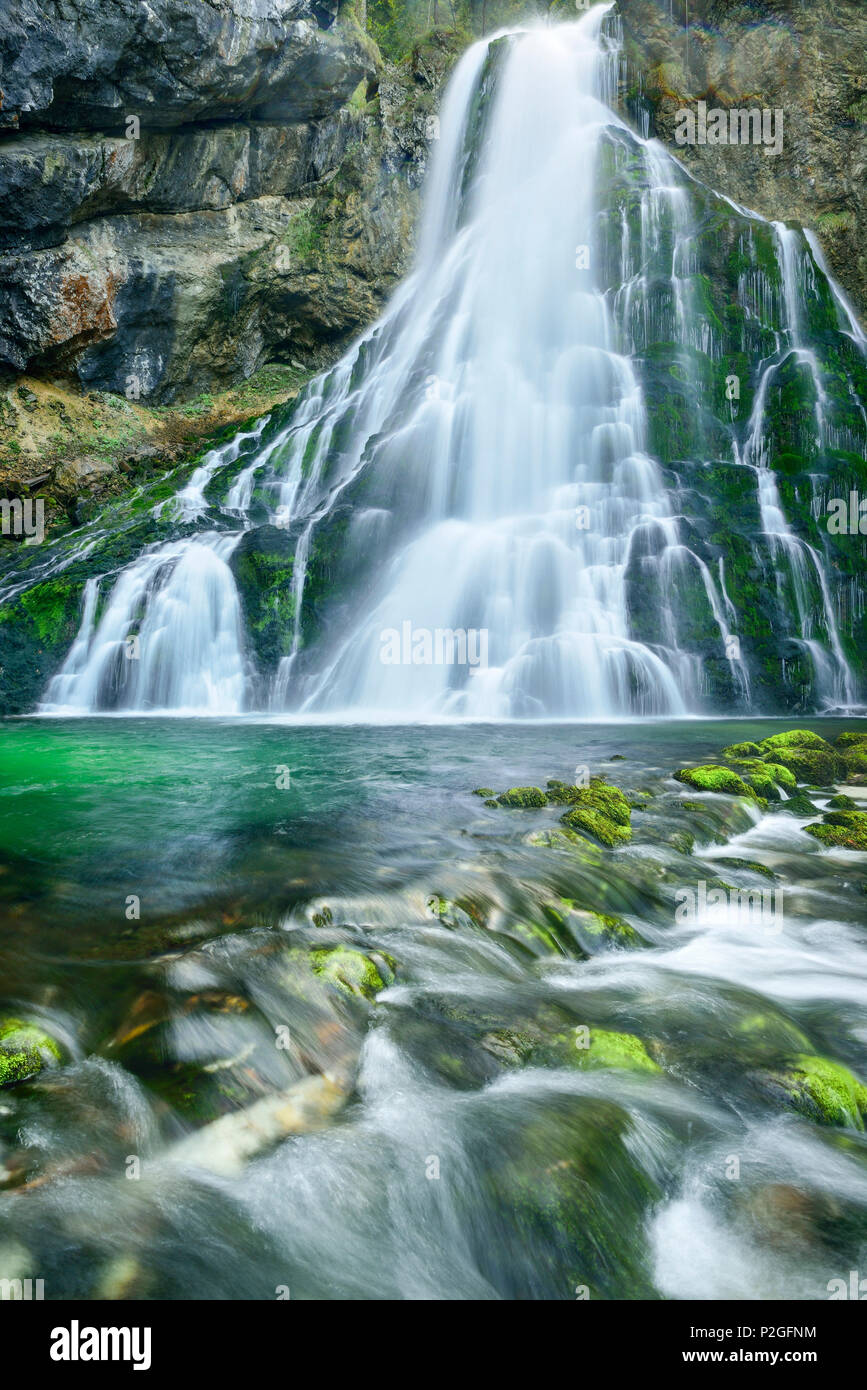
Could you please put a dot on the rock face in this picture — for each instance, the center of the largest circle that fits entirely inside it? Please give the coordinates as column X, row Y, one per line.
column 184, row 193
column 801, row 57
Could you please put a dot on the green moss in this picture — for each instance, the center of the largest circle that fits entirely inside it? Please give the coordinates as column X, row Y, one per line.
column 350, row 971
column 711, row 778
column 850, row 740
column 855, row 758
column 24, row 1050
column 599, row 929
column 601, row 812
column 742, row 750
column 622, row 1050
column 484, row 791
column 799, row 805
column 825, row 1091
column 765, row 778
column 843, row 829
column 843, row 803
column 806, row 755
column 523, row 798
column 750, row 864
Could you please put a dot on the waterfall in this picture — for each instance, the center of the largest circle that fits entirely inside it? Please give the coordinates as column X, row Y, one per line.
column 476, row 473
column 171, row 633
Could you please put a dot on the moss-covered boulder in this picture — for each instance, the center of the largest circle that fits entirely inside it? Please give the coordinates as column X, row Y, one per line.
column 822, row 1090
column 601, row 812
column 742, row 750
column 850, row 741
column 855, row 758
column 765, row 778
column 523, row 798
column 621, row 1050
column 24, row 1050
column 798, row 805
column 808, row 756
column 487, row 792
column 352, row 972
column 712, row 778
column 841, row 829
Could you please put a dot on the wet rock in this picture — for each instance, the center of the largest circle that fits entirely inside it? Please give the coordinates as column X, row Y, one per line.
column 523, row 798
column 822, row 1090
column 737, row 55
column 352, row 972
column 25, row 1049
column 712, row 778
column 841, row 829
column 600, row 811
column 805, row 754
column 228, row 1144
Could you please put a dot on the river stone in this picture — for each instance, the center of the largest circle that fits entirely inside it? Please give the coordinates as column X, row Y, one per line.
column 24, row 1050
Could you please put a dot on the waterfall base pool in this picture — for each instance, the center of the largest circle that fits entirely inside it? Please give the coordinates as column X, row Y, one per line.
column 331, row 1024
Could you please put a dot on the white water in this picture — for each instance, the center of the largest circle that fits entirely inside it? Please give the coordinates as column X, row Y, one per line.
column 505, row 431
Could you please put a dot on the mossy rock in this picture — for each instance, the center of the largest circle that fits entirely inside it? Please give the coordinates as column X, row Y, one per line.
column 484, row 791
column 799, row 805
column 564, row 1188
column 742, row 750
column 523, row 798
column 771, row 1032
column 855, row 758
column 843, row 803
column 352, row 972
column 841, row 829
column 752, row 865
column 850, row 741
column 766, row 778
column 822, row 1090
column 624, row 1051
column 600, row 930
column 601, row 812
column 793, row 738
column 712, row 778
column 24, row 1050
column 818, row 767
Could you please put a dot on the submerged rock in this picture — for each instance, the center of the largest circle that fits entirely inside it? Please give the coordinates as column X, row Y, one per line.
column 822, row 1090
column 24, row 1050
column 352, row 972
column 622, row 1050
column 523, row 797
column 225, row 1146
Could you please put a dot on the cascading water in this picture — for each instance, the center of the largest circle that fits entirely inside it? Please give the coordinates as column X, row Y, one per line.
column 480, row 462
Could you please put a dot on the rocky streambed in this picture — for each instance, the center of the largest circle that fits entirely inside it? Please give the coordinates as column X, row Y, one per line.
column 291, row 1008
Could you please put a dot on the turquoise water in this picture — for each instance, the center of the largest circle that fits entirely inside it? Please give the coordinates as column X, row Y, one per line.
column 548, row 1176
